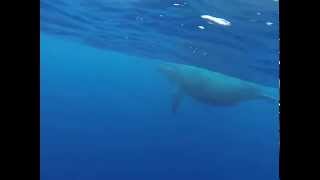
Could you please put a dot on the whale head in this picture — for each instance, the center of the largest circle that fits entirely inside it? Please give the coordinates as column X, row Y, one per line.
column 170, row 71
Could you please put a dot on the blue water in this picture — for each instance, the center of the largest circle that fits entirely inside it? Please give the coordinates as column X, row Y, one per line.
column 105, row 109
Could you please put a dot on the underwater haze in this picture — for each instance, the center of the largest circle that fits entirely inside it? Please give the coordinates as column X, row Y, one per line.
column 106, row 110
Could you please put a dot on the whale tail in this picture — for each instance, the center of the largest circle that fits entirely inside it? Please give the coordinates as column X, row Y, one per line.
column 270, row 93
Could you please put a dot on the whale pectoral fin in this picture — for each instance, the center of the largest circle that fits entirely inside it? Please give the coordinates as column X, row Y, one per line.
column 176, row 101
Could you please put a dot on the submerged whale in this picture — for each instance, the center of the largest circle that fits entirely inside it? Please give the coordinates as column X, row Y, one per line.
column 212, row 88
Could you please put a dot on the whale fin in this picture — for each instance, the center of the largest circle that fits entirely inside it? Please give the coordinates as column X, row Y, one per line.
column 176, row 100
column 270, row 93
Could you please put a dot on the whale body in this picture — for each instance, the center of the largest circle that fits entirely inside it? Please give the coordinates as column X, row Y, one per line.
column 212, row 88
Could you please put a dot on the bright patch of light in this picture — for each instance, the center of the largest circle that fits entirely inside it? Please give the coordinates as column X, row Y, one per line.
column 269, row 23
column 217, row 20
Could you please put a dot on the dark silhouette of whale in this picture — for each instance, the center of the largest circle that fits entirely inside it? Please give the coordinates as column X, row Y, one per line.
column 212, row 88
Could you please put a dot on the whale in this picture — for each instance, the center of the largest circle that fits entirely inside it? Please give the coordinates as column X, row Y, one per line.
column 212, row 88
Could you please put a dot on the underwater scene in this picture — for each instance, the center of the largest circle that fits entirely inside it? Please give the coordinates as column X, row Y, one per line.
column 159, row 90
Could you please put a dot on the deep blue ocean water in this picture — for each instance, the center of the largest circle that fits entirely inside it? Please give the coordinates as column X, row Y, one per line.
column 105, row 109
